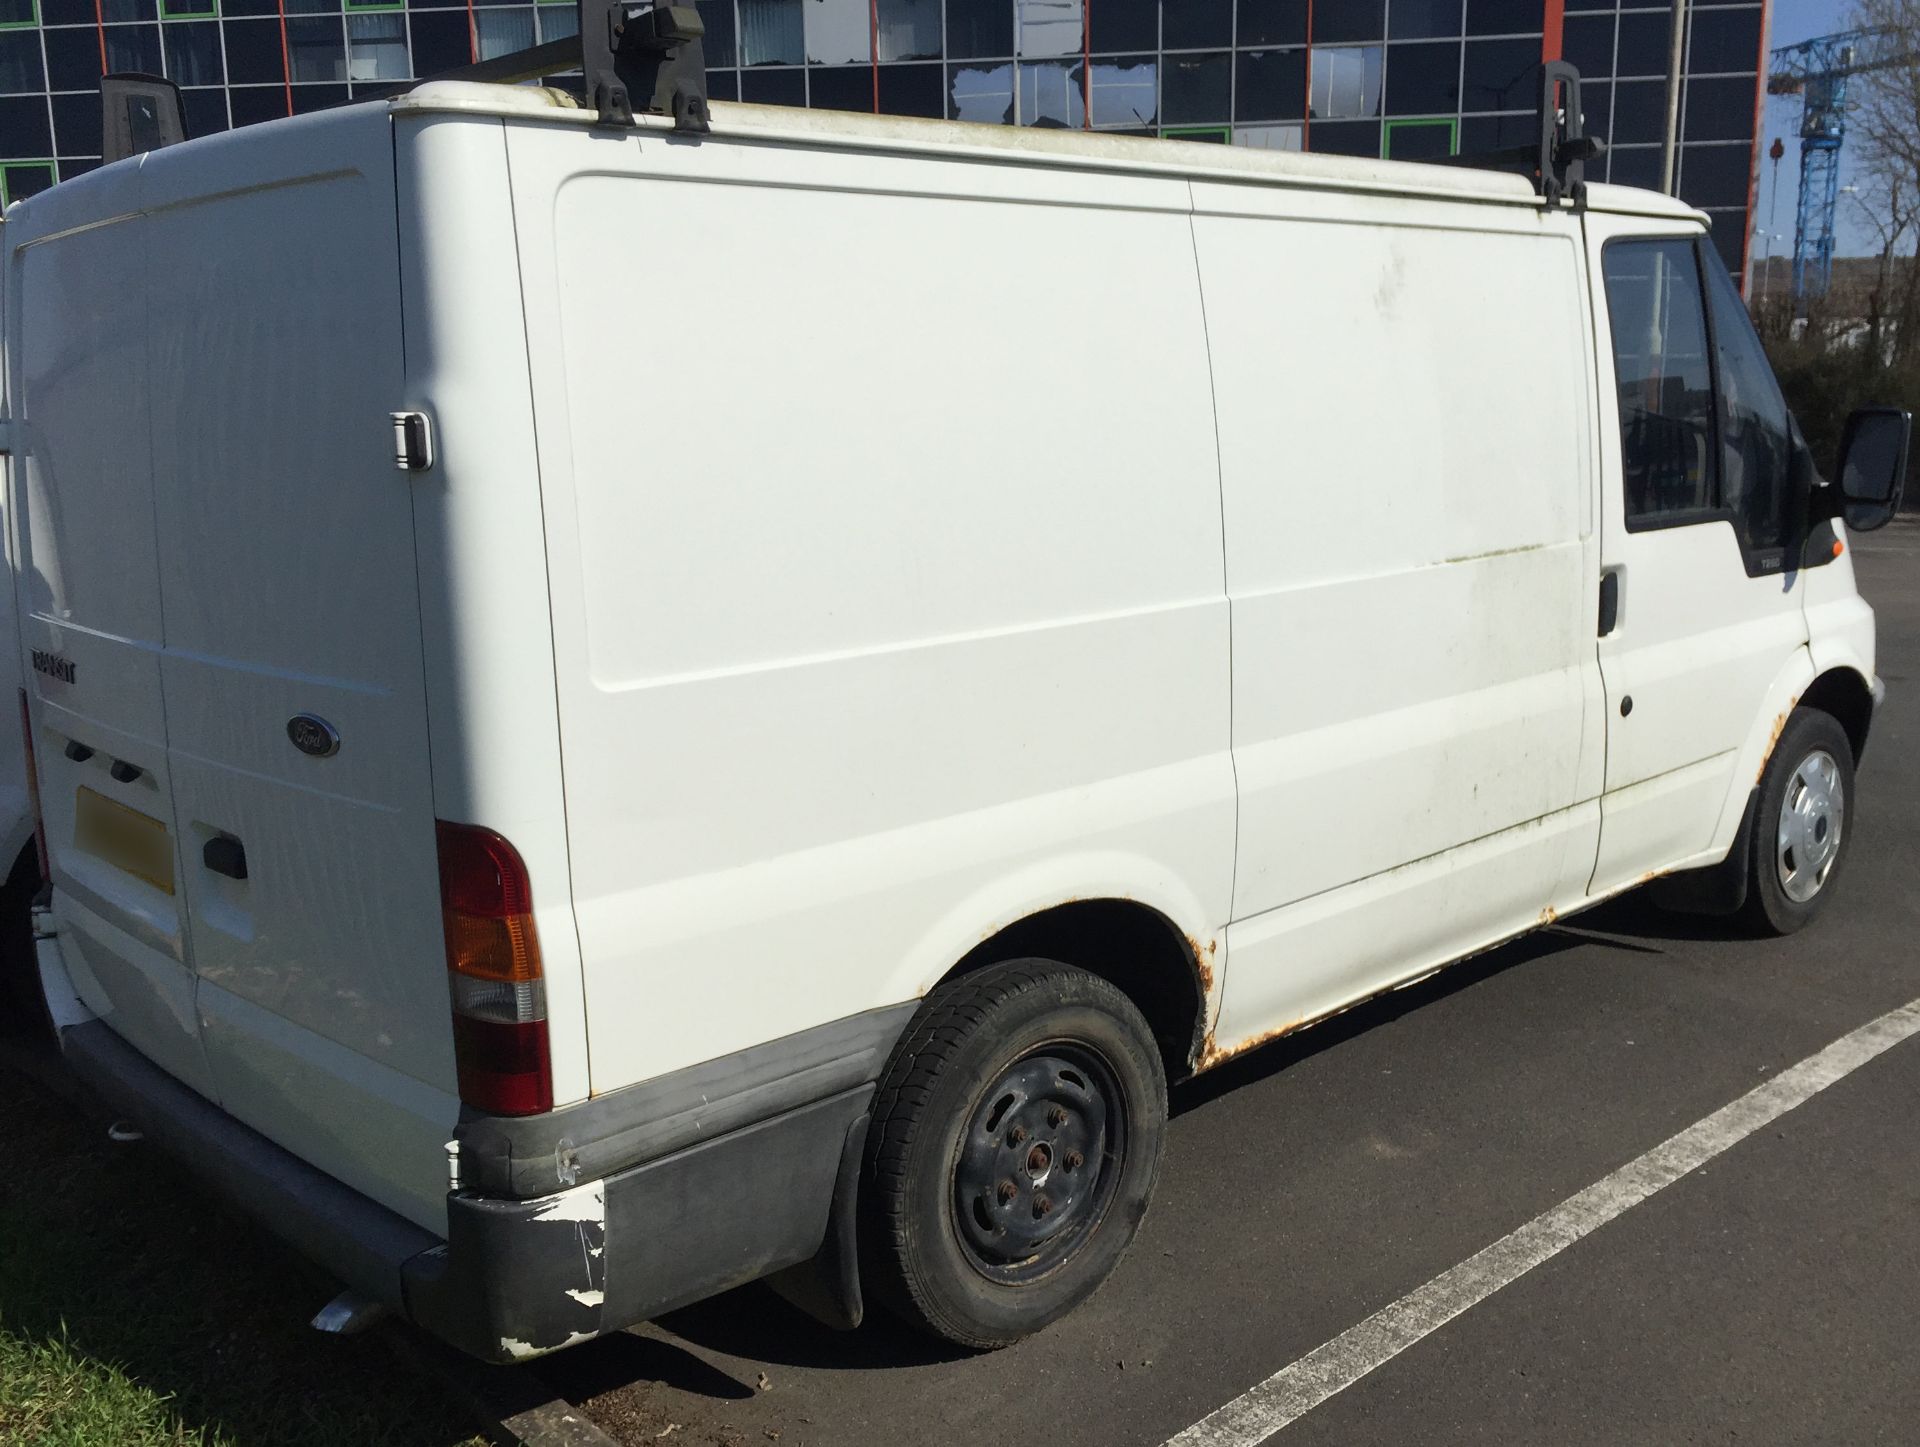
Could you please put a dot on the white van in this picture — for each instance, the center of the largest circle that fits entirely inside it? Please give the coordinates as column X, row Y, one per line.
column 622, row 709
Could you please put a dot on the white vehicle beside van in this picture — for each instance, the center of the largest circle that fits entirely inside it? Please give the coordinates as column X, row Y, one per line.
column 20, row 874
column 605, row 731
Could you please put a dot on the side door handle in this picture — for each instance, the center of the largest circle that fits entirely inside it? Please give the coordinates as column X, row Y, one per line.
column 1609, row 602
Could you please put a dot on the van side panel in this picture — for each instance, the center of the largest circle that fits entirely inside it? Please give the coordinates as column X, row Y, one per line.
column 1404, row 433
column 888, row 596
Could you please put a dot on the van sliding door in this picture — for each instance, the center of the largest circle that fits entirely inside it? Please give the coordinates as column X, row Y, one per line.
column 1408, row 555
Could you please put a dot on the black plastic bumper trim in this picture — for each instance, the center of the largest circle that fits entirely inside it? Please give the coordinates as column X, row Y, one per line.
column 358, row 1239
column 521, row 1156
column 519, row 1278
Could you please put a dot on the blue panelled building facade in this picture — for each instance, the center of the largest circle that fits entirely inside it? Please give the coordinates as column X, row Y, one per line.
column 1411, row 79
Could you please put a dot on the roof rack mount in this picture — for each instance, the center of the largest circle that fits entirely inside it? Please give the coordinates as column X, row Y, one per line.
column 1557, row 162
column 625, row 50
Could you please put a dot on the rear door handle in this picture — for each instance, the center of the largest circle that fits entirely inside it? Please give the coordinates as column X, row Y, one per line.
column 225, row 855
column 1609, row 602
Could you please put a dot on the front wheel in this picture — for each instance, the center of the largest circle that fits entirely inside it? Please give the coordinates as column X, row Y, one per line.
column 1804, row 823
column 1015, row 1139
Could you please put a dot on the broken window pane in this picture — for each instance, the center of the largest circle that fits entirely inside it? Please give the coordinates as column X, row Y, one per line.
column 982, row 93
column 1346, row 81
column 1049, row 27
column 1050, row 95
column 1125, row 91
column 838, row 31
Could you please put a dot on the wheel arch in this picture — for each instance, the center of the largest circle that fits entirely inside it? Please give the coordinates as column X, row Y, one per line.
column 1844, row 693
column 1170, row 974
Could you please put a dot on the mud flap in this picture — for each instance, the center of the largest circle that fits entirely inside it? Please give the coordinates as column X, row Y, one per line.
column 827, row 1287
column 1718, row 889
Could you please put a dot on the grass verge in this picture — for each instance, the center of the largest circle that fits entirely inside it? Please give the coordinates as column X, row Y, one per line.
column 135, row 1310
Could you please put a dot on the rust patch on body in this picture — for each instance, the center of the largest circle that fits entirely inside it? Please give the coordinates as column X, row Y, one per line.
column 1203, row 962
column 1773, row 739
column 1548, row 915
column 1212, row 1054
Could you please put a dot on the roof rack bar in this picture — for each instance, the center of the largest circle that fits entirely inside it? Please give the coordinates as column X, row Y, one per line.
column 530, row 64
column 625, row 48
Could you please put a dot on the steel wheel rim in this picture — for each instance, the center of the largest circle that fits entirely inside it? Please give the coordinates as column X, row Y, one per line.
column 1039, row 1163
column 1813, row 815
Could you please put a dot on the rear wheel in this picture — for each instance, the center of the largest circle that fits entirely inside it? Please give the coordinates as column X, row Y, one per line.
column 1803, row 825
column 1015, row 1139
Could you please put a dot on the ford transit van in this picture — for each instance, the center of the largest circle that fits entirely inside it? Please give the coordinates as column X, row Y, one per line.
column 627, row 704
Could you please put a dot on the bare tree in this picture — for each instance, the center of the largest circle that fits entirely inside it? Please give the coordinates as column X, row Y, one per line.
column 1886, row 204
column 1884, row 131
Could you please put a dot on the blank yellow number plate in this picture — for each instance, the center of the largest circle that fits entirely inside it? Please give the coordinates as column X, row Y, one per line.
column 125, row 837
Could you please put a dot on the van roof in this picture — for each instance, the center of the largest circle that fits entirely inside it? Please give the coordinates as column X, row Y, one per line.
column 1102, row 150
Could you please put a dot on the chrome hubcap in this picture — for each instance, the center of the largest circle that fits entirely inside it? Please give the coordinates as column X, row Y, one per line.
column 1811, row 817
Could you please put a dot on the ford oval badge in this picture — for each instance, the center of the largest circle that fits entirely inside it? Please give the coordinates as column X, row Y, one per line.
column 313, row 735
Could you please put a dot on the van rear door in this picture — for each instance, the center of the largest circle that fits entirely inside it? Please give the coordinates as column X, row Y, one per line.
column 90, row 627
column 255, row 507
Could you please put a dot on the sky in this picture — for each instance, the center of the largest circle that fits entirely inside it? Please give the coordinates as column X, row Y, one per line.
column 1792, row 22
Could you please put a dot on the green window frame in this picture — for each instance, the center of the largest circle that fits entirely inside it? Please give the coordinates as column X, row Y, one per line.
column 33, row 24
column 1222, row 135
column 361, row 7
column 188, row 9
column 7, row 168
column 1452, row 123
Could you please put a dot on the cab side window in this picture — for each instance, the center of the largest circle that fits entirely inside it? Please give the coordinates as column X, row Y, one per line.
column 1756, row 429
column 1665, row 380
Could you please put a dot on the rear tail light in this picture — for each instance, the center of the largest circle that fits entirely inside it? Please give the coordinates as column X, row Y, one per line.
column 493, row 971
column 33, row 790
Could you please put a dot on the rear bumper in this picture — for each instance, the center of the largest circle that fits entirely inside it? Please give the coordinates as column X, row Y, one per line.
column 518, row 1278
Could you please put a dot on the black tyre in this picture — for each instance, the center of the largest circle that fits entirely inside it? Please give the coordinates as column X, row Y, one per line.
column 1015, row 1140
column 1803, row 825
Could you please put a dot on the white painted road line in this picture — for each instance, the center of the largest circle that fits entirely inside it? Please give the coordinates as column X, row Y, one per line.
column 1290, row 1393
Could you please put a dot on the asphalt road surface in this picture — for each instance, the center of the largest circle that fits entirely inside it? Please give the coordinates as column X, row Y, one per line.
column 1772, row 1295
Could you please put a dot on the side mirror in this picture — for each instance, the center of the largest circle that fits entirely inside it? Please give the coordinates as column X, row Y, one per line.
column 1873, row 466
